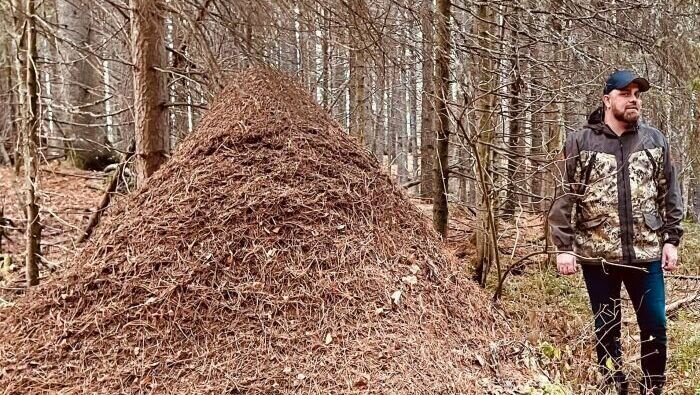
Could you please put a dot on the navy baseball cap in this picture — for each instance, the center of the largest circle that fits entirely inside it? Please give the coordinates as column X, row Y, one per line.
column 621, row 78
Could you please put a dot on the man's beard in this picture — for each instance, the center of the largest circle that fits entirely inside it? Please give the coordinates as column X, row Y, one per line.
column 630, row 118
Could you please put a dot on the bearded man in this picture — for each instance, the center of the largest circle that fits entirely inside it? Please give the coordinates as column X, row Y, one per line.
column 619, row 215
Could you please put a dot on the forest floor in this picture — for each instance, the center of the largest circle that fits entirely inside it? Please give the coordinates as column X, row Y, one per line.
column 68, row 197
column 553, row 309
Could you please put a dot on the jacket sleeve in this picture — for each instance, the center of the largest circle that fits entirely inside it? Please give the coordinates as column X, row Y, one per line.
column 560, row 223
column 669, row 199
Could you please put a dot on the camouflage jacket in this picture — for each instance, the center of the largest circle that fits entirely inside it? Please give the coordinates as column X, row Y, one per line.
column 618, row 198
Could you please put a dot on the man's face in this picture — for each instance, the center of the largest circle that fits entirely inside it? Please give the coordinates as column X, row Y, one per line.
column 625, row 104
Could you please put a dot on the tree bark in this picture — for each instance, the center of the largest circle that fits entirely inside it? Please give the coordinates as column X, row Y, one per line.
column 555, row 140
column 359, row 99
column 695, row 200
column 7, row 110
column 540, row 135
column 486, row 226
column 694, row 142
column 427, row 136
column 150, row 94
column 399, row 118
column 121, row 89
column 31, row 120
column 3, row 223
column 441, row 120
column 380, row 118
column 391, row 121
column 300, row 53
column 325, row 60
column 55, row 136
column 248, row 34
column 413, row 118
column 82, row 86
column 339, row 72
column 514, row 113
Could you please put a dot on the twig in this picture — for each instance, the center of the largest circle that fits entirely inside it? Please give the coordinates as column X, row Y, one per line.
column 411, row 184
column 107, row 196
column 602, row 262
column 84, row 176
column 12, row 288
column 670, row 308
column 683, row 277
column 499, row 288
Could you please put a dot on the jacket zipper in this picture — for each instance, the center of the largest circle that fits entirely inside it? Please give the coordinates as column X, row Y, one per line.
column 626, row 240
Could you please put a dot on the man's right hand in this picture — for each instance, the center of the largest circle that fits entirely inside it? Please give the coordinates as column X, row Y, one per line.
column 566, row 264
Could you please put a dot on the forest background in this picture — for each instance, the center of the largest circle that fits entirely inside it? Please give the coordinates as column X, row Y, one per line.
column 465, row 103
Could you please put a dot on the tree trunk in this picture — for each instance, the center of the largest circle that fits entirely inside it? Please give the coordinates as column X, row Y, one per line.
column 554, row 142
column 359, row 101
column 529, row 165
column 325, row 60
column 539, row 140
column 513, row 114
column 3, row 223
column 7, row 125
column 339, row 102
column 380, row 118
column 515, row 132
column 441, row 121
column 299, row 43
column 486, row 226
column 120, row 90
column 694, row 143
column 695, row 200
column 401, row 128
column 463, row 190
column 150, row 94
column 248, row 35
column 177, row 90
column 427, row 136
column 54, row 137
column 392, row 120
column 413, row 119
column 31, row 120
column 82, row 86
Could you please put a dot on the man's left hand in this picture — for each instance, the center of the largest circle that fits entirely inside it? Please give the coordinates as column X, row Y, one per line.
column 669, row 257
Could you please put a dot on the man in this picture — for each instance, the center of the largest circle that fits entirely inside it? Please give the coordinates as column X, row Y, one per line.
column 619, row 215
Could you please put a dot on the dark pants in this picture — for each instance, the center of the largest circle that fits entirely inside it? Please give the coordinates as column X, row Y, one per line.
column 646, row 290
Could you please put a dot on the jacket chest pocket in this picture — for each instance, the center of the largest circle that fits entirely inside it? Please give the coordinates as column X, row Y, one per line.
column 643, row 177
column 599, row 181
column 644, row 165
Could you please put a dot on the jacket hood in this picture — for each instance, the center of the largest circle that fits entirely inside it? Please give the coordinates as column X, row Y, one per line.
column 597, row 123
column 596, row 117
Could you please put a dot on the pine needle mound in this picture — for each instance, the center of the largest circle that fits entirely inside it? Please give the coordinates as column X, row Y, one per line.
column 269, row 255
